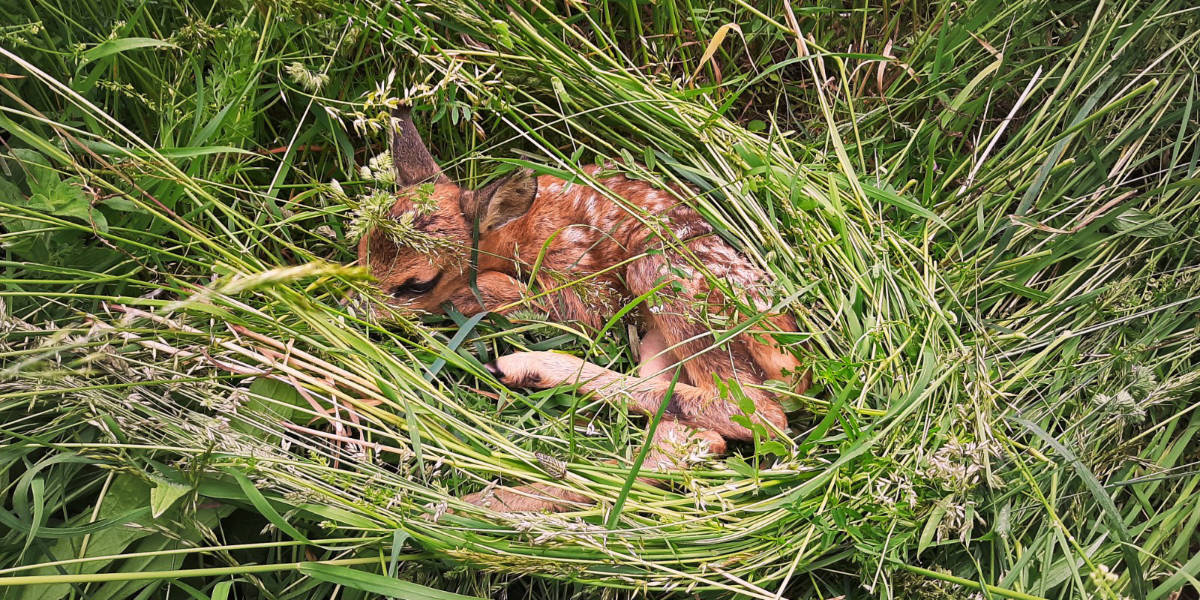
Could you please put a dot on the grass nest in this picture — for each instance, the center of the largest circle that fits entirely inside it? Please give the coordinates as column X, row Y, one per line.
column 981, row 215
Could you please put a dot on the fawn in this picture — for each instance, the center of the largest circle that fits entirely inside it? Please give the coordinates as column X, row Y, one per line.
column 651, row 245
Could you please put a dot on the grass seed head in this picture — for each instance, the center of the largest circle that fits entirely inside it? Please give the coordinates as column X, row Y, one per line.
column 310, row 80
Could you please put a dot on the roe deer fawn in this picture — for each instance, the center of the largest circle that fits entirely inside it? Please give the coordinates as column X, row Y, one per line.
column 578, row 231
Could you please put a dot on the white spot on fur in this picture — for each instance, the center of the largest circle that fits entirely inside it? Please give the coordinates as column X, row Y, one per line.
column 656, row 201
column 685, row 231
column 724, row 254
column 575, row 235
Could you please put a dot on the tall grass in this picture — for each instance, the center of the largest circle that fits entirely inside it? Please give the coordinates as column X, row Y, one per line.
column 982, row 214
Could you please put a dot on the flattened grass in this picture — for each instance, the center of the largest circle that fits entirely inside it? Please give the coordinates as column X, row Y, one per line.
column 982, row 214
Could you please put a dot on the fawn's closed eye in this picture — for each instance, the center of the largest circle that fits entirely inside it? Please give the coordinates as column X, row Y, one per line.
column 413, row 287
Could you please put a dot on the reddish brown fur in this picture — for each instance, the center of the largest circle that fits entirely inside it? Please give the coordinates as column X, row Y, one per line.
column 588, row 235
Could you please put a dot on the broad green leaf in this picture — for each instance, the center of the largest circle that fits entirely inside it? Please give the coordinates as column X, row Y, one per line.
column 377, row 584
column 35, row 140
column 738, row 465
column 399, row 536
column 773, row 447
column 263, row 390
column 272, row 399
column 10, row 193
column 39, row 175
column 203, row 151
column 221, row 590
column 207, row 517
column 931, row 525
column 62, row 199
column 110, row 47
column 164, row 493
column 1140, row 223
column 264, row 507
column 126, row 493
column 122, row 204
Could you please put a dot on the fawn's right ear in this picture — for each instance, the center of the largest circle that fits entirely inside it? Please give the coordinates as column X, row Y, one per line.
column 411, row 159
column 501, row 201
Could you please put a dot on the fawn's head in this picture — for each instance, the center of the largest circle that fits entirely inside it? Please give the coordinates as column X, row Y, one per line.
column 421, row 255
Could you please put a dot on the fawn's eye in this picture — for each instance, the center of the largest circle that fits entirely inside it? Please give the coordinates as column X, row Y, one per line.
column 413, row 287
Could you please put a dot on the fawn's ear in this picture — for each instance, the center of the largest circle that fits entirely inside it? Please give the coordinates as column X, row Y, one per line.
column 503, row 200
column 410, row 158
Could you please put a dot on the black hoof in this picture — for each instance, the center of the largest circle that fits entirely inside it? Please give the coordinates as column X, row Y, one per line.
column 494, row 369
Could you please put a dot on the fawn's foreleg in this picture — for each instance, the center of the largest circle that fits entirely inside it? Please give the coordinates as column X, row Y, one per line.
column 674, row 446
column 690, row 405
column 498, row 291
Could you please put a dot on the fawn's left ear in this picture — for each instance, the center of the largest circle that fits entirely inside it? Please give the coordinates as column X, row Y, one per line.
column 410, row 158
column 502, row 201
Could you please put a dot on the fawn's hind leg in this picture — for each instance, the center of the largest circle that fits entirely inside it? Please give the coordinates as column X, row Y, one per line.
column 533, row 497
column 656, row 360
column 775, row 360
column 674, row 446
column 688, row 311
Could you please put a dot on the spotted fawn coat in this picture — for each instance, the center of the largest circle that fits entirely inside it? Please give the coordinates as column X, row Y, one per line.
column 594, row 255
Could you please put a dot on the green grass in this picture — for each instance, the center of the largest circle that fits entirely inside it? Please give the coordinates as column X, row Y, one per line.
column 982, row 214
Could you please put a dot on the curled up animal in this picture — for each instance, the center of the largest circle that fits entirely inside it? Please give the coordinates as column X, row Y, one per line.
column 651, row 246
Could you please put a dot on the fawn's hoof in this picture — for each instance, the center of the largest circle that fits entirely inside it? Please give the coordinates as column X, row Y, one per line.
column 494, row 369
column 529, row 369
